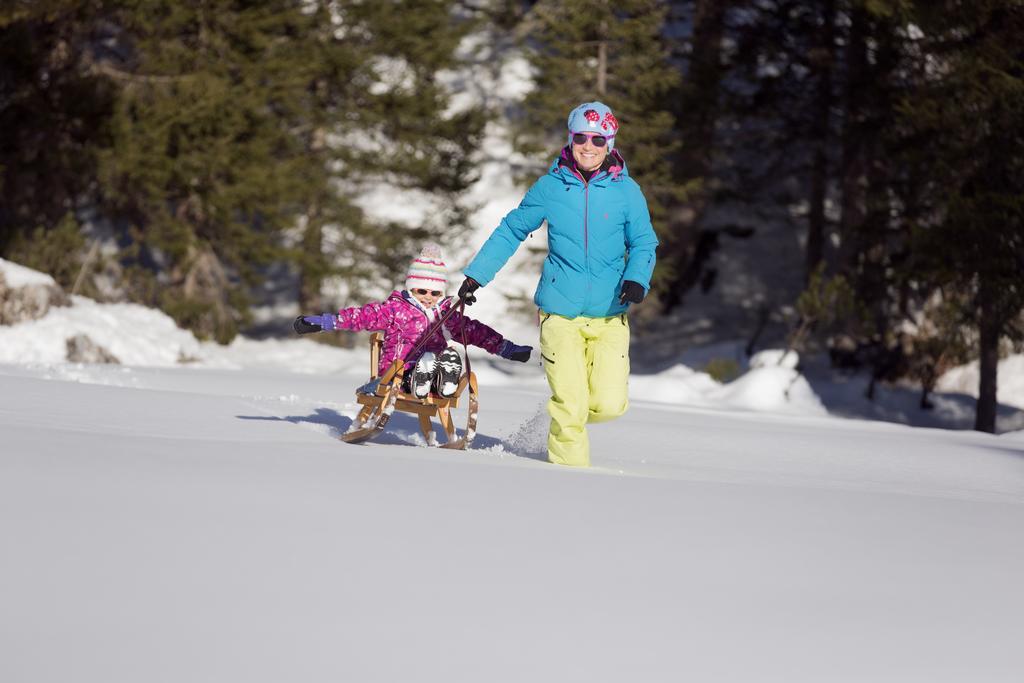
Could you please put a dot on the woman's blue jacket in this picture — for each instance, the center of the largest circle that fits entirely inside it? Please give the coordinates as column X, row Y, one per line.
column 599, row 234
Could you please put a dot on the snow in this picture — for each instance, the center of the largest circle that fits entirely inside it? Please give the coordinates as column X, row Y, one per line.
column 775, row 358
column 167, row 521
column 190, row 515
column 770, row 381
column 134, row 334
column 776, row 389
column 16, row 275
column 964, row 380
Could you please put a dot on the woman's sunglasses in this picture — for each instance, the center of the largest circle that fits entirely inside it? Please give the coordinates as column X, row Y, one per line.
column 595, row 139
column 431, row 292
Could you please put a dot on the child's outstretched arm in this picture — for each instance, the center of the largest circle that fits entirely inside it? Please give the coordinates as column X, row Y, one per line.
column 372, row 316
column 308, row 324
column 478, row 334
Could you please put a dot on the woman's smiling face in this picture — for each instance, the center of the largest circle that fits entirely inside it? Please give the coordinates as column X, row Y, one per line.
column 588, row 156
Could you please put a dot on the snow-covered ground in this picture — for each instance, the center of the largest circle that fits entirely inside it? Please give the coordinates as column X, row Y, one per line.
column 191, row 516
column 142, row 337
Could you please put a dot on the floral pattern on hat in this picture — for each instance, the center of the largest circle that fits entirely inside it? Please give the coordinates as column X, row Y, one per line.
column 596, row 117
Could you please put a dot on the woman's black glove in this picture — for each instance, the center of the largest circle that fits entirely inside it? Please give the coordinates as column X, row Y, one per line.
column 633, row 292
column 469, row 285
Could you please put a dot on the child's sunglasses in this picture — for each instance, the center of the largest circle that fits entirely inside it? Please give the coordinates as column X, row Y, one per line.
column 431, row 292
column 595, row 139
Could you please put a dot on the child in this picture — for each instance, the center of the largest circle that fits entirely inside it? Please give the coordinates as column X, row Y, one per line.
column 406, row 315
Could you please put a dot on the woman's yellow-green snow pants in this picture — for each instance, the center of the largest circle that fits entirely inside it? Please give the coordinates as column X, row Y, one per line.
column 587, row 364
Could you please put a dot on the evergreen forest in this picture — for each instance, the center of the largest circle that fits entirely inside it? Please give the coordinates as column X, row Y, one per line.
column 181, row 154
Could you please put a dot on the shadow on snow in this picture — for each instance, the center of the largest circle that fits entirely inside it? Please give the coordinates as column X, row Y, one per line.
column 398, row 431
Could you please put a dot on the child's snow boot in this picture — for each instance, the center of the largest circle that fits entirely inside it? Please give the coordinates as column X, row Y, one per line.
column 449, row 370
column 423, row 374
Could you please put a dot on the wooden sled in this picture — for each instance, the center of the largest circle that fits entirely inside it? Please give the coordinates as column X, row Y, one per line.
column 378, row 408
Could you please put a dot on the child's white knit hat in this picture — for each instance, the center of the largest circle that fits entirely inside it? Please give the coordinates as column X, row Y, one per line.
column 428, row 271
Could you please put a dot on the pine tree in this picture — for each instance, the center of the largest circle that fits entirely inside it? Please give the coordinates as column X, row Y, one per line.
column 814, row 88
column 873, row 247
column 246, row 133
column 54, row 113
column 221, row 136
column 376, row 112
column 965, row 117
column 783, row 92
column 696, row 30
column 773, row 82
column 201, row 170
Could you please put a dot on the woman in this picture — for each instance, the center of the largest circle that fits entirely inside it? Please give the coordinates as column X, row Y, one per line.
column 601, row 251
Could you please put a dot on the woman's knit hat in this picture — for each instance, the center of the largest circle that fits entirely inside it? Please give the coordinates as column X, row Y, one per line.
column 594, row 117
column 427, row 271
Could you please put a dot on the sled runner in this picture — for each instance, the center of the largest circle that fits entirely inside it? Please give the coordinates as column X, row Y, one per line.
column 389, row 397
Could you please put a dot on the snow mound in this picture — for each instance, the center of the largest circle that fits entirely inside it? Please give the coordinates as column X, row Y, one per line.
column 767, row 387
column 136, row 335
column 303, row 356
column 143, row 337
column 26, row 294
column 770, row 388
column 775, row 358
column 964, row 380
column 20, row 276
column 679, row 384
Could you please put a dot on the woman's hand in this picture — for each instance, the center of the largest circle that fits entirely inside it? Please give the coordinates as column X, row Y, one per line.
column 632, row 292
column 469, row 285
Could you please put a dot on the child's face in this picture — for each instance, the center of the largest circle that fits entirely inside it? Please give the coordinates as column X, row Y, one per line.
column 427, row 297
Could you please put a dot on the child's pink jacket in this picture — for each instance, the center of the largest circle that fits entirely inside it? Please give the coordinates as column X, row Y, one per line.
column 403, row 323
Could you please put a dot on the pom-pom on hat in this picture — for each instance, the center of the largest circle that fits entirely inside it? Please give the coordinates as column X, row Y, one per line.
column 594, row 117
column 427, row 271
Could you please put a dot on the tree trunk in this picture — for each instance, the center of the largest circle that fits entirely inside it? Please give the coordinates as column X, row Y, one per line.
column 312, row 262
column 988, row 366
column 815, row 248
column 310, row 299
column 854, row 182
column 705, row 74
column 823, row 59
column 696, row 113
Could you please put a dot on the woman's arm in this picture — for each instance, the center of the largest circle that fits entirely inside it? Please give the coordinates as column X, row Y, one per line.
column 641, row 240
column 507, row 237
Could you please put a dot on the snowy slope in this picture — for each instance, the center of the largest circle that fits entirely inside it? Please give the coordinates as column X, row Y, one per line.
column 191, row 515
column 205, row 525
